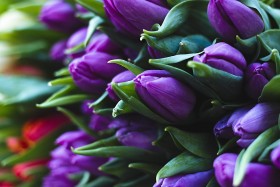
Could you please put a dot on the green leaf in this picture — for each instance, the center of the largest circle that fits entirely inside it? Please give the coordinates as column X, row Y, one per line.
column 66, row 100
column 95, row 6
column 273, row 12
column 84, row 180
column 184, row 163
column 141, row 181
column 78, row 121
column 106, row 142
column 62, row 72
column 271, row 91
column 253, row 151
column 128, row 65
column 265, row 156
column 269, row 39
column 249, row 47
column 193, row 44
column 174, row 2
column 200, row 144
column 274, row 57
column 221, row 82
column 125, row 152
column 62, row 81
column 93, row 24
column 145, row 167
column 121, row 108
column 66, row 90
column 103, row 105
column 102, row 181
column 227, row 145
column 213, row 183
column 79, row 47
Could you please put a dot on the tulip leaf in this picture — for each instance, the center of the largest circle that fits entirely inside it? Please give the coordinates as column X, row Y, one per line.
column 183, row 164
column 145, row 167
column 62, row 81
column 249, row 47
column 141, row 181
column 125, row 152
column 256, row 5
column 62, row 72
column 193, row 44
column 174, row 2
column 221, row 82
column 102, row 181
column 103, row 105
column 105, row 142
column 213, row 183
column 274, row 57
column 66, row 100
column 200, row 144
column 66, row 90
column 173, row 59
column 227, row 145
column 85, row 178
column 269, row 39
column 93, row 24
column 128, row 65
column 121, row 108
column 273, row 12
column 253, row 151
column 271, row 90
column 163, row 142
column 77, row 121
column 95, row 6
column 265, row 156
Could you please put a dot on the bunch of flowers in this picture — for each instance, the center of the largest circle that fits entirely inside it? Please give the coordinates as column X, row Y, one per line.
column 162, row 93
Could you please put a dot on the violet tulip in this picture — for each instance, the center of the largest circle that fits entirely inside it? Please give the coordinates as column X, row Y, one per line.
column 257, row 174
column 121, row 77
column 275, row 156
column 199, row 179
column 77, row 38
column 131, row 17
column 165, row 95
column 258, row 119
column 257, row 76
column 57, row 51
column 99, row 123
column 92, row 72
column 223, row 57
column 60, row 16
column 231, row 18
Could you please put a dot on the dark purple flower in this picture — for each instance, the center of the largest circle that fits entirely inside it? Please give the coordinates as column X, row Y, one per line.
column 73, row 139
column 165, row 95
column 76, row 39
column 275, row 156
column 256, row 174
column 99, row 123
column 121, row 77
column 61, row 181
column 223, row 57
column 57, row 51
column 85, row 107
column 257, row 76
column 91, row 72
column 258, row 119
column 199, row 179
column 231, row 18
column 132, row 17
column 59, row 15
column 136, row 131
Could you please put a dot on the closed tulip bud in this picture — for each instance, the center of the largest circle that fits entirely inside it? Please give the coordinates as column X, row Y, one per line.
column 199, row 179
column 275, row 156
column 36, row 129
column 91, row 72
column 231, row 18
column 165, row 95
column 121, row 77
column 136, row 131
column 99, row 123
column 75, row 39
column 23, row 170
column 257, row 76
column 256, row 174
column 223, row 57
column 258, row 119
column 57, row 51
column 60, row 16
column 16, row 145
column 132, row 17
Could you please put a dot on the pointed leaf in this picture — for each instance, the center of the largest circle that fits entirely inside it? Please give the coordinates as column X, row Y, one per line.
column 106, row 142
column 95, row 6
column 128, row 65
column 93, row 24
column 271, row 91
column 147, row 168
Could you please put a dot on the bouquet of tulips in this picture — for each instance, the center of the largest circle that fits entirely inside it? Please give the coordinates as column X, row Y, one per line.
column 139, row 93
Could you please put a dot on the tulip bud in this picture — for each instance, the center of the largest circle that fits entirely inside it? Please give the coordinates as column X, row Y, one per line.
column 57, row 51
column 258, row 119
column 199, row 179
column 257, row 76
column 16, row 145
column 256, row 174
column 60, row 16
column 165, row 95
column 121, row 77
column 85, row 107
column 223, row 57
column 22, row 170
column 36, row 129
column 76, row 39
column 231, row 18
column 91, row 72
column 136, row 131
column 99, row 123
column 132, row 17
column 275, row 156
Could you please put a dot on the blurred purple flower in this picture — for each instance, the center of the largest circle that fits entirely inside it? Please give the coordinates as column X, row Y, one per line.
column 57, row 51
column 275, row 156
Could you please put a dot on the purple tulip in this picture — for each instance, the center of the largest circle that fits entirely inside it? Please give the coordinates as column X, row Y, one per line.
column 256, row 174
column 223, row 57
column 200, row 179
column 231, row 18
column 61, row 181
column 257, row 76
column 275, row 156
column 121, row 77
column 57, row 51
column 132, row 17
column 75, row 39
column 136, row 131
column 85, row 107
column 258, row 119
column 99, row 123
column 165, row 95
column 60, row 16
column 91, row 72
